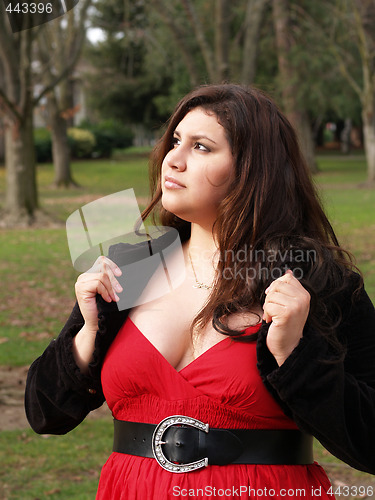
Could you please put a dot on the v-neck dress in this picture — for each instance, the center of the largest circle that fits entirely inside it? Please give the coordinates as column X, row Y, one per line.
column 222, row 387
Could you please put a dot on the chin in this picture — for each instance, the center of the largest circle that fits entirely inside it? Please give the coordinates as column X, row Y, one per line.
column 171, row 205
column 175, row 209
column 199, row 216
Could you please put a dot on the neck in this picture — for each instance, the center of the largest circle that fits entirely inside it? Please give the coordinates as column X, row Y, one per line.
column 203, row 251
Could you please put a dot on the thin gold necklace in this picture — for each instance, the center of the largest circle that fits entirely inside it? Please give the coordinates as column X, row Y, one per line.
column 198, row 283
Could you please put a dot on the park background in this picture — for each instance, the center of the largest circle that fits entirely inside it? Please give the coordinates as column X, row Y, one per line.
column 84, row 97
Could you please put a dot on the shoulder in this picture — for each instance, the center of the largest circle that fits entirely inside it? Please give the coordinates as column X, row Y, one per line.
column 351, row 294
column 357, row 312
column 143, row 247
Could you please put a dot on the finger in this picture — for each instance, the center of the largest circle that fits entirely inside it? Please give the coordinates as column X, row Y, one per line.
column 110, row 268
column 110, row 272
column 98, row 283
column 110, row 285
column 281, row 298
column 114, row 267
column 107, row 296
column 272, row 312
column 286, row 289
column 286, row 283
column 102, row 263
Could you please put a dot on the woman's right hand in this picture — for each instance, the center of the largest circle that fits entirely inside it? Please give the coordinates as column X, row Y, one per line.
column 100, row 279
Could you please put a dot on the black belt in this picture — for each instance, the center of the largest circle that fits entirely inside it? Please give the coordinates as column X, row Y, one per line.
column 182, row 444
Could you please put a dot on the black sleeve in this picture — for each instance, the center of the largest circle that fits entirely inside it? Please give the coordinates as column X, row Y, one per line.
column 332, row 399
column 58, row 395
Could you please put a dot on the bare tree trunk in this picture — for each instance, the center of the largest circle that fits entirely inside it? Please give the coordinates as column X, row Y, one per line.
column 301, row 122
column 68, row 44
column 60, row 145
column 288, row 76
column 369, row 137
column 2, row 142
column 345, row 142
column 21, row 191
column 365, row 19
column 2, row 126
column 207, row 52
column 21, row 198
column 253, row 20
column 222, row 40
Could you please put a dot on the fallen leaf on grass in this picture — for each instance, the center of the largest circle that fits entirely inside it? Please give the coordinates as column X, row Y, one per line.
column 82, row 447
column 3, row 340
column 76, row 478
column 35, row 336
column 24, row 438
column 52, row 492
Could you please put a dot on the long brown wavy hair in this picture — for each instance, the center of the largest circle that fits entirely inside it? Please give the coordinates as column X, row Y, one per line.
column 270, row 220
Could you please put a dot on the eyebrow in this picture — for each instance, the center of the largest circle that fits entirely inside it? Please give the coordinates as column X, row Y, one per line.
column 196, row 137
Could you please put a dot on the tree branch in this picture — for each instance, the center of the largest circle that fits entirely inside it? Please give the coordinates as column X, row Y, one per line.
column 222, row 20
column 66, row 64
column 8, row 50
column 12, row 108
column 335, row 50
column 201, row 39
column 253, row 19
column 189, row 59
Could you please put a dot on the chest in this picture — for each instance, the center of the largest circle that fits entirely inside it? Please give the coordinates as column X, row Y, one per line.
column 165, row 321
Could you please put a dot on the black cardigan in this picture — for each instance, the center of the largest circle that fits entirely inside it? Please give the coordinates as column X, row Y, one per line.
column 332, row 400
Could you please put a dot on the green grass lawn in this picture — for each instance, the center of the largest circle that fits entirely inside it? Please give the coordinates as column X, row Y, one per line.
column 54, row 467
column 351, row 210
column 37, row 294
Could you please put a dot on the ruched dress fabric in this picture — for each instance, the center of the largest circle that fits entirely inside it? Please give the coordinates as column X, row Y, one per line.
column 221, row 387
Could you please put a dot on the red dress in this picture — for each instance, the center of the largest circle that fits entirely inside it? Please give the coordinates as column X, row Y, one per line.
column 222, row 387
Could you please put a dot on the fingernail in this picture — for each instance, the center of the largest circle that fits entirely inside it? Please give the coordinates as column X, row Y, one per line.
column 118, row 287
column 117, row 298
column 118, row 271
column 267, row 289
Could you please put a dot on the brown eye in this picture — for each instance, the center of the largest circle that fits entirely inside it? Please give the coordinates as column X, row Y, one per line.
column 175, row 142
column 201, row 147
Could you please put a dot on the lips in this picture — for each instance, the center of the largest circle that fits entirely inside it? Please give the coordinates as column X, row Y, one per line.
column 171, row 182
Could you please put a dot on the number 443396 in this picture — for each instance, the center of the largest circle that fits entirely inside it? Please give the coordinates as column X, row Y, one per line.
column 29, row 8
column 351, row 491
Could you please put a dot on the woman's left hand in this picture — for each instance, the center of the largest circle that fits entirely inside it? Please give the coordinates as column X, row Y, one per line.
column 287, row 306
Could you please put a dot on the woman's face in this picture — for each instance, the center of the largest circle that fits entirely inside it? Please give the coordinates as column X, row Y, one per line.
column 198, row 170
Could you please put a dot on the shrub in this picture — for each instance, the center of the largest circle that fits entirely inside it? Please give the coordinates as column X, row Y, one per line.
column 109, row 134
column 82, row 142
column 43, row 145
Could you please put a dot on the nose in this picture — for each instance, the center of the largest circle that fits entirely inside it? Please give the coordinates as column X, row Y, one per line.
column 176, row 158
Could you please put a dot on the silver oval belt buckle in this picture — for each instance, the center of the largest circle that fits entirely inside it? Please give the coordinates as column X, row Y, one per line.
column 157, row 442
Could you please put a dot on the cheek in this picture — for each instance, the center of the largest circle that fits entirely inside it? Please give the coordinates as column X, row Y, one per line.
column 219, row 176
column 162, row 171
column 164, row 164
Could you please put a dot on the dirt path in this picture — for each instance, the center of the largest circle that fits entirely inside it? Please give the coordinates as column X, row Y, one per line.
column 12, row 389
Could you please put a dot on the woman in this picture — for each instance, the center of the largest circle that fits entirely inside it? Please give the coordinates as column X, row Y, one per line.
column 270, row 332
